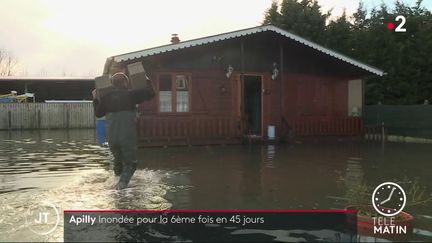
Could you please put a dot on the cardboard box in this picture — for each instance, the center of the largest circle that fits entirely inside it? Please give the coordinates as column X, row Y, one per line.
column 103, row 86
column 137, row 76
column 102, row 82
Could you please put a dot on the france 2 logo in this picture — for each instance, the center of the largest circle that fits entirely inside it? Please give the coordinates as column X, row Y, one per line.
column 400, row 27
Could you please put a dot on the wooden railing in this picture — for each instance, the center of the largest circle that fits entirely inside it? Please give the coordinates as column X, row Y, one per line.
column 344, row 126
column 217, row 126
column 376, row 132
column 188, row 126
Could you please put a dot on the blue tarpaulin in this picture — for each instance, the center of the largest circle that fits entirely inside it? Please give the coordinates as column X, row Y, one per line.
column 6, row 100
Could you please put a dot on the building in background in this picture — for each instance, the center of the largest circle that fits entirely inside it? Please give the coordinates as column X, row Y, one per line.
column 49, row 88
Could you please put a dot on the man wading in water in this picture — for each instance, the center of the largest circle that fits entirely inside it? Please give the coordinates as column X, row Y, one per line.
column 119, row 108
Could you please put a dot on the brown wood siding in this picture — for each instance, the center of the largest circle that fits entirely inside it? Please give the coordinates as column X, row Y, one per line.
column 273, row 106
column 215, row 102
column 314, row 96
column 339, row 103
column 317, row 105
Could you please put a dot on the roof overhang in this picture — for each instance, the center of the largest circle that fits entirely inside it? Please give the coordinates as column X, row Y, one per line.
column 244, row 32
column 45, row 79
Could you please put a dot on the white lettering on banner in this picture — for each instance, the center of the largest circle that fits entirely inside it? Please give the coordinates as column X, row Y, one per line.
column 84, row 219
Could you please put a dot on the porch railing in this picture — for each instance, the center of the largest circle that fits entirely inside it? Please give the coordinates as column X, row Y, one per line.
column 344, row 126
column 188, row 126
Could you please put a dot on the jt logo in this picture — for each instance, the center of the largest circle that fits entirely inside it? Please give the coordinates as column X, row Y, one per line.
column 44, row 216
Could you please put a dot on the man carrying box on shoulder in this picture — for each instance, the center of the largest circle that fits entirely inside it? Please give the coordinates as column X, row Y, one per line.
column 118, row 105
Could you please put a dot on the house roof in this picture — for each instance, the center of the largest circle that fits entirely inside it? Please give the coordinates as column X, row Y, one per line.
column 49, row 79
column 239, row 33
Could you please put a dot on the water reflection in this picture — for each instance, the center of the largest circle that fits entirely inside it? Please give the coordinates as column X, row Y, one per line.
column 68, row 169
column 268, row 155
column 354, row 173
column 24, row 161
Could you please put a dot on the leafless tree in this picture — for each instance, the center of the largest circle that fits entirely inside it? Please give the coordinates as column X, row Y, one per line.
column 8, row 63
column 43, row 72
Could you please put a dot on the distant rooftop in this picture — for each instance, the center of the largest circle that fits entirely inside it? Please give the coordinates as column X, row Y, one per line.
column 34, row 78
column 45, row 78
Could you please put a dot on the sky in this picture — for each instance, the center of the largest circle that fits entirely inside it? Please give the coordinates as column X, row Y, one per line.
column 74, row 37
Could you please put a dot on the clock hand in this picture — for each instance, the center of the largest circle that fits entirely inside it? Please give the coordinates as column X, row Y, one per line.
column 385, row 201
column 388, row 199
column 391, row 193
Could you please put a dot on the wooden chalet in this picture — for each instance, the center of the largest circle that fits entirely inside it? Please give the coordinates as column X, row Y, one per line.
column 261, row 82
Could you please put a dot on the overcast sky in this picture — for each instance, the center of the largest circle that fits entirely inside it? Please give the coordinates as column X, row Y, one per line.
column 76, row 36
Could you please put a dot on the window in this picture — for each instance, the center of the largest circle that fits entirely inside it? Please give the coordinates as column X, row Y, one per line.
column 173, row 92
column 165, row 93
column 182, row 93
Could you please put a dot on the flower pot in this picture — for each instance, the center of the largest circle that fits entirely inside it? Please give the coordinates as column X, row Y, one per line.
column 365, row 223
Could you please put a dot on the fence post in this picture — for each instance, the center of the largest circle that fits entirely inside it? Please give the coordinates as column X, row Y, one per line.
column 39, row 120
column 383, row 135
column 9, row 120
column 48, row 117
column 67, row 115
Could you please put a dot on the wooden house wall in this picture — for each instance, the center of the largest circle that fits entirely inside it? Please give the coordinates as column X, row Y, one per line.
column 316, row 105
column 212, row 113
column 306, row 99
column 313, row 96
column 205, row 91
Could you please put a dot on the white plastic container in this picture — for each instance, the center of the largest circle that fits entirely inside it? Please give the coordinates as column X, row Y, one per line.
column 271, row 131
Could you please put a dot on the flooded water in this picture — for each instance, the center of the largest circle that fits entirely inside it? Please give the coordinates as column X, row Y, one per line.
column 68, row 169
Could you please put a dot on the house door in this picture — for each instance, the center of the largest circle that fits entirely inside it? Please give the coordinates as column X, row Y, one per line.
column 252, row 98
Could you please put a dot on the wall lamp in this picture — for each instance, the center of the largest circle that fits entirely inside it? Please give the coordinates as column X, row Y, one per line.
column 275, row 71
column 230, row 70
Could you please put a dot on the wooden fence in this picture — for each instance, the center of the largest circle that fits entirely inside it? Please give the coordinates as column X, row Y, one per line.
column 14, row 116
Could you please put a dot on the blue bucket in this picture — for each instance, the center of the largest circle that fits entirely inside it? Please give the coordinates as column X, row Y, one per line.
column 101, row 131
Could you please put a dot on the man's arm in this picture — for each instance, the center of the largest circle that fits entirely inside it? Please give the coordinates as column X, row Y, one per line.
column 98, row 106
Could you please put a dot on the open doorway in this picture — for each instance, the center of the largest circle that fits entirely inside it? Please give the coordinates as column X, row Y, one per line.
column 252, row 104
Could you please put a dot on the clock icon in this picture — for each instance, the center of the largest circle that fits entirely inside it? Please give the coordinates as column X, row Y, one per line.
column 388, row 199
